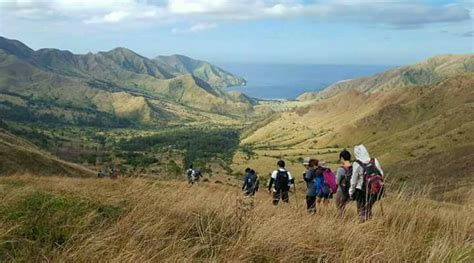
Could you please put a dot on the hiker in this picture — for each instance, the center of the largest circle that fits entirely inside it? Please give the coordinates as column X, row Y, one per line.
column 116, row 174
column 281, row 180
column 325, row 183
column 190, row 174
column 251, row 183
column 366, row 182
column 343, row 180
column 309, row 177
column 111, row 172
column 101, row 174
column 197, row 175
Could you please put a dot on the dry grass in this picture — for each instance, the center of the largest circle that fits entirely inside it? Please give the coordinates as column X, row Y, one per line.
column 169, row 221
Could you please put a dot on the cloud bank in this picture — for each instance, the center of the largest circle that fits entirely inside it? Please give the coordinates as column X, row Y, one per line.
column 203, row 15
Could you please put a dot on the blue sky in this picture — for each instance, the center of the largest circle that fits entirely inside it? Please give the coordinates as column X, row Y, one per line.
column 250, row 31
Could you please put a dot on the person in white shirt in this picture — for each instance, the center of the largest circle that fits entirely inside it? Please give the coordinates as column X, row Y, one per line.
column 281, row 179
column 190, row 173
column 365, row 200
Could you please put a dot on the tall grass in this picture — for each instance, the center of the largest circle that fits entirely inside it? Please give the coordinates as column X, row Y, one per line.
column 170, row 221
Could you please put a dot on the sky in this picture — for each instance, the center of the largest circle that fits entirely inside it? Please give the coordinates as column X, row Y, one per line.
column 383, row 32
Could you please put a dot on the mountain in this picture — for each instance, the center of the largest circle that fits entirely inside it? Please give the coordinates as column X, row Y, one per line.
column 117, row 64
column 213, row 75
column 19, row 156
column 114, row 88
column 424, row 73
column 420, row 134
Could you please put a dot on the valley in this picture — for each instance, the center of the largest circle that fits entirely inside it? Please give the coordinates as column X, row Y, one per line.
column 154, row 117
column 64, row 117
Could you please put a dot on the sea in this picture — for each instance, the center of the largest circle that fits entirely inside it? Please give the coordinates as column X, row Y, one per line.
column 286, row 82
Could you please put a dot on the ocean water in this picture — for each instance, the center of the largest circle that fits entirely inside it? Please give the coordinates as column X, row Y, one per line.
column 266, row 81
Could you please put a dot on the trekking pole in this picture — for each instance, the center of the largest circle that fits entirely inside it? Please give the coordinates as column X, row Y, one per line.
column 382, row 194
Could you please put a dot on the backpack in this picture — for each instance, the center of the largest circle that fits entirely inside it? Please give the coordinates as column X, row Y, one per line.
column 282, row 181
column 373, row 182
column 251, row 181
column 345, row 182
column 319, row 185
column 197, row 174
column 330, row 180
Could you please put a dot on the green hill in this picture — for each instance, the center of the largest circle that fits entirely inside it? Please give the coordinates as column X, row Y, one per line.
column 424, row 73
column 114, row 88
column 213, row 75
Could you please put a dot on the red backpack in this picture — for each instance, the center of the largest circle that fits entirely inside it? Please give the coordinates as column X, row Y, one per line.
column 330, row 180
column 373, row 180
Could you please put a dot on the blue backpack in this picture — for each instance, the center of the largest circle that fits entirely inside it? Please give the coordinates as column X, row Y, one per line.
column 319, row 185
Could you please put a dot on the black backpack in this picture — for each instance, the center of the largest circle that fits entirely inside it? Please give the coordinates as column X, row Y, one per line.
column 251, row 181
column 345, row 182
column 282, row 181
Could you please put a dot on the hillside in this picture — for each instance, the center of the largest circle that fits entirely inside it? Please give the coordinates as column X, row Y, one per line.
column 213, row 75
column 18, row 156
column 139, row 220
column 427, row 130
column 115, row 88
column 424, row 73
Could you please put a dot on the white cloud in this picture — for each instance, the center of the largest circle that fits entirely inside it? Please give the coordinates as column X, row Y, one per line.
column 202, row 27
column 398, row 14
column 116, row 16
column 195, row 28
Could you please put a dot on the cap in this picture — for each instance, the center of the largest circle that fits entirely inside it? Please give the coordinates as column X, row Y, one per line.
column 306, row 161
column 323, row 164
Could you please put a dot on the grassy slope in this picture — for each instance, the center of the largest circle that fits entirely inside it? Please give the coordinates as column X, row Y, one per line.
column 20, row 156
column 137, row 220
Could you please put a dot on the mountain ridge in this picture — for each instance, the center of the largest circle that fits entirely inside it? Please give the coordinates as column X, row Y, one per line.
column 425, row 72
column 201, row 69
column 62, row 78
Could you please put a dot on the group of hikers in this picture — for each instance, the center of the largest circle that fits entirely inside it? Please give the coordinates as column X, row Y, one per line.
column 112, row 173
column 193, row 175
column 360, row 180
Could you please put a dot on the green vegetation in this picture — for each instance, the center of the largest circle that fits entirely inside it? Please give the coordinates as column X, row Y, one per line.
column 248, row 151
column 197, row 143
column 138, row 159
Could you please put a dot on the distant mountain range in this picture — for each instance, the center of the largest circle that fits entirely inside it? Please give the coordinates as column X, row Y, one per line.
column 112, row 88
column 424, row 73
column 215, row 76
